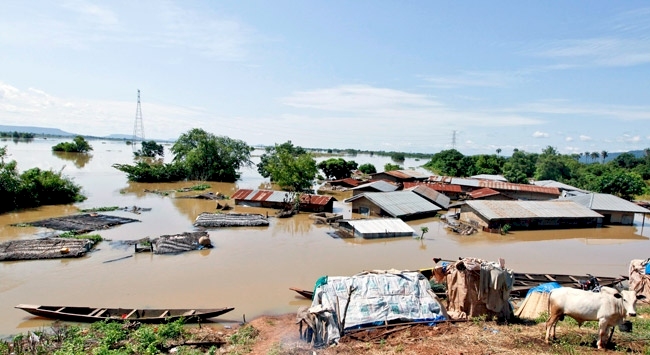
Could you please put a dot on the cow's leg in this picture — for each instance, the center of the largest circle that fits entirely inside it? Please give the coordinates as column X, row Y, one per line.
column 551, row 323
column 602, row 332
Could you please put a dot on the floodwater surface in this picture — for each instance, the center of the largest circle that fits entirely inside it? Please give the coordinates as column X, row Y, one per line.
column 249, row 268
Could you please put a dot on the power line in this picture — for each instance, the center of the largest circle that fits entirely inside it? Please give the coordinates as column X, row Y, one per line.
column 138, row 126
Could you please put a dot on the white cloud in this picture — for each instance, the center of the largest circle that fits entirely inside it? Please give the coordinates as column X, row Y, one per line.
column 539, row 134
column 83, row 25
column 584, row 138
column 568, row 139
column 474, row 79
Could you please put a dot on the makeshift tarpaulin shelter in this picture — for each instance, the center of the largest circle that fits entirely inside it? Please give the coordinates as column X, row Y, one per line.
column 640, row 277
column 476, row 287
column 367, row 299
column 536, row 301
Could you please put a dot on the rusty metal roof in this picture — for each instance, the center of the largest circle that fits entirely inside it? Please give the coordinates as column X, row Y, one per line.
column 531, row 209
column 496, row 185
column 407, row 174
column 348, row 181
column 484, row 192
column 278, row 196
column 436, row 186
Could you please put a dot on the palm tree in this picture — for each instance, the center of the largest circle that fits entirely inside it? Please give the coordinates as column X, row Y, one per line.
column 498, row 151
column 595, row 156
column 604, row 155
column 587, row 157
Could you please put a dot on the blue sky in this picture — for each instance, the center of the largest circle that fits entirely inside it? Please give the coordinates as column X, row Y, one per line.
column 377, row 75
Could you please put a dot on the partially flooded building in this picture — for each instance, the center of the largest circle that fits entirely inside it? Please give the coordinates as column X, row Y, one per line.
column 405, row 205
column 279, row 199
column 614, row 209
column 491, row 216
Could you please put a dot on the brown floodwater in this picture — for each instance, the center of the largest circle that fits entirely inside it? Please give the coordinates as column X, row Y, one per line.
column 250, row 269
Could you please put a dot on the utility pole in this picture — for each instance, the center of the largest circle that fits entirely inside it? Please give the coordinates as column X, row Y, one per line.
column 138, row 127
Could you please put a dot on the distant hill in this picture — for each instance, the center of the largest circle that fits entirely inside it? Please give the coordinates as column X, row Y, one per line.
column 36, row 130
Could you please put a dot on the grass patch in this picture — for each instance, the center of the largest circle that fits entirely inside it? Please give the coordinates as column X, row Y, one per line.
column 101, row 209
column 95, row 238
column 244, row 339
column 199, row 187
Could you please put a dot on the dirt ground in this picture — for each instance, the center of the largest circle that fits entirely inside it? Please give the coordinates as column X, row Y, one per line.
column 279, row 335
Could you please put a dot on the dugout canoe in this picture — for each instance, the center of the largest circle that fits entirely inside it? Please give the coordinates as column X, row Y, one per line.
column 92, row 314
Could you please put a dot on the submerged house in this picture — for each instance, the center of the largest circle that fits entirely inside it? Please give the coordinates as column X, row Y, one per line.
column 376, row 228
column 405, row 205
column 507, row 189
column 279, row 199
column 491, row 216
column 454, row 192
column 614, row 209
column 487, row 193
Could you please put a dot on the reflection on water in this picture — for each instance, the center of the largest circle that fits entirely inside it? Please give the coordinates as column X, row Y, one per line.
column 79, row 159
column 251, row 268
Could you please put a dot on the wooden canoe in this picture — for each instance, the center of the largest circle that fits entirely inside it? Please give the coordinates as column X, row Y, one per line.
column 91, row 314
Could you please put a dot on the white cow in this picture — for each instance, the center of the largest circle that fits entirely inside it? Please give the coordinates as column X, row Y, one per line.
column 609, row 307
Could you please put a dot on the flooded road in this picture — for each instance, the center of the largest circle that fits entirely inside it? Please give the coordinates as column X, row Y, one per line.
column 250, row 269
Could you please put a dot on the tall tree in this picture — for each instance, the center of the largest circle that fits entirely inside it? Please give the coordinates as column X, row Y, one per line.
column 604, row 155
column 292, row 168
column 595, row 156
column 587, row 157
column 337, row 168
column 211, row 158
column 498, row 151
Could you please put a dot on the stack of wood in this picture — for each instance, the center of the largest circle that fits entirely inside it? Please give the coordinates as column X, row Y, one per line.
column 207, row 219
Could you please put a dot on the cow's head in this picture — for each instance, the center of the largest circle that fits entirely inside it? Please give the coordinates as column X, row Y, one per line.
column 629, row 299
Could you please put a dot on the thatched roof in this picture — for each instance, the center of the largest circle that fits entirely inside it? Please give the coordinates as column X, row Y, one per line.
column 82, row 223
column 177, row 243
column 207, row 219
column 46, row 248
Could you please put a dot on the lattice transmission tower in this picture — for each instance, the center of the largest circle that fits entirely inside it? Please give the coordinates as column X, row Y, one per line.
column 138, row 126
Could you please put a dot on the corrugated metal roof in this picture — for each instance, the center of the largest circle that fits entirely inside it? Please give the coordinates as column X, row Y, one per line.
column 489, row 177
column 496, row 185
column 432, row 195
column 348, row 181
column 379, row 185
column 278, row 196
column 559, row 185
column 400, row 203
column 407, row 174
column 607, row 202
column 531, row 209
column 380, row 225
column 436, row 186
column 484, row 192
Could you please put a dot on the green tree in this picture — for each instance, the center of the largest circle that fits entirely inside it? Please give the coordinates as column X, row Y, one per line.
column 198, row 155
column 520, row 167
column 626, row 161
column 552, row 166
column 447, row 162
column 367, row 168
column 498, row 151
column 150, row 149
column 292, row 168
column 398, row 157
column 391, row 167
column 621, row 183
column 78, row 145
column 604, row 154
column 337, row 168
column 211, row 158
column 34, row 187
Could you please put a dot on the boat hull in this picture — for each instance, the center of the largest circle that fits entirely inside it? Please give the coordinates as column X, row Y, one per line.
column 90, row 314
